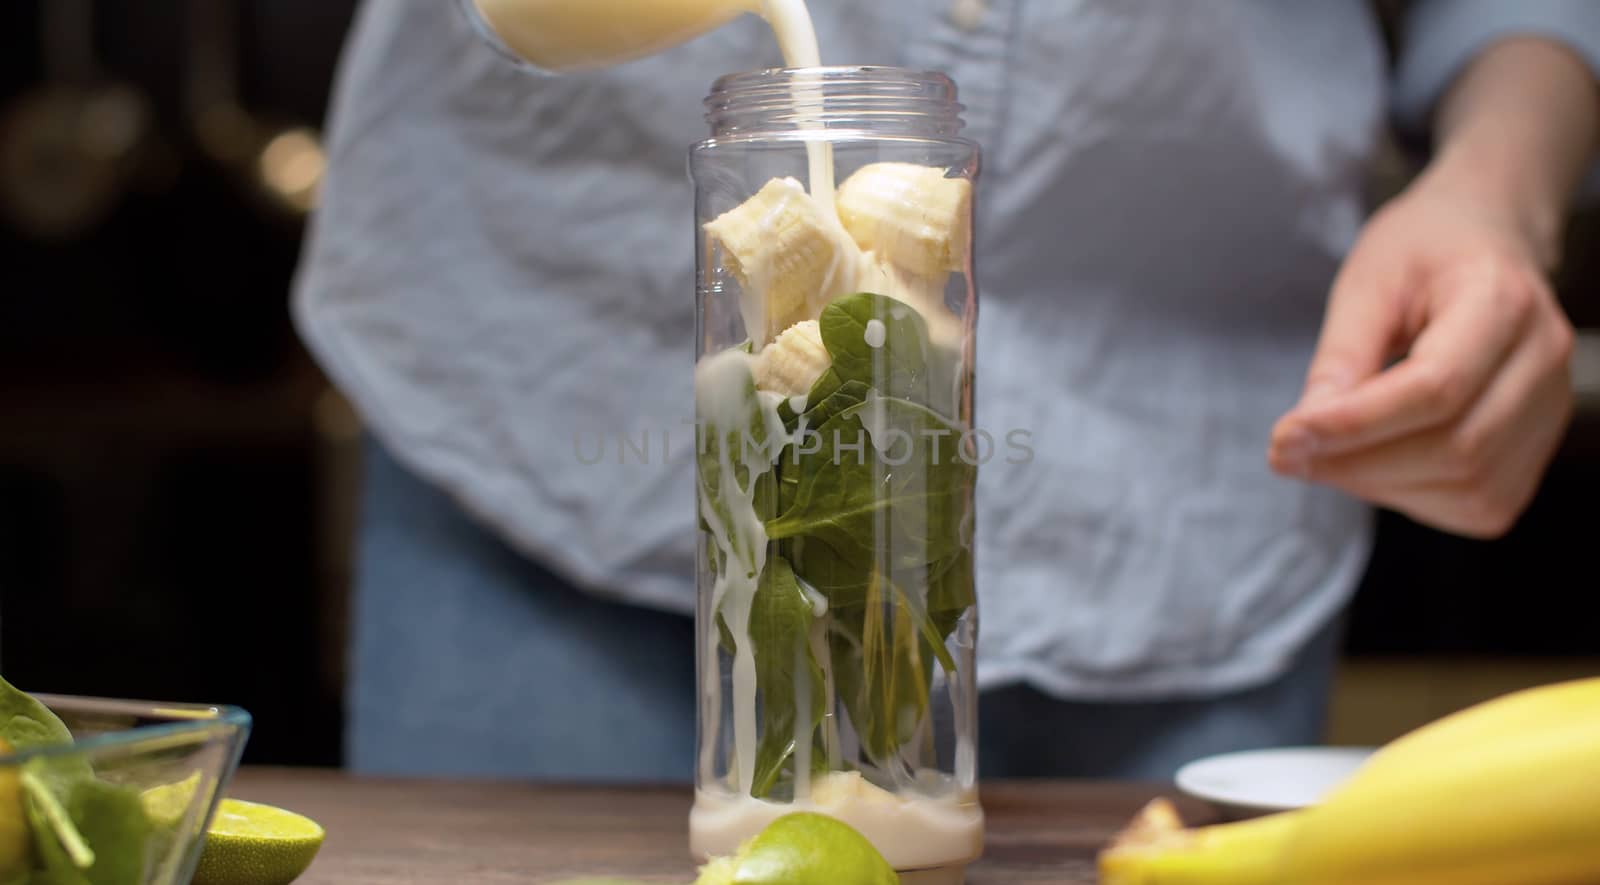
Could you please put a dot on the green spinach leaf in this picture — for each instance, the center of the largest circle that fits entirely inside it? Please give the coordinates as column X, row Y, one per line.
column 870, row 512
column 26, row 723
column 882, row 671
column 86, row 831
column 946, row 585
column 825, row 386
column 48, row 785
column 842, row 581
column 951, row 593
column 898, row 366
column 883, row 534
column 112, row 818
column 787, row 673
column 875, row 508
column 848, row 394
column 884, row 650
column 810, row 440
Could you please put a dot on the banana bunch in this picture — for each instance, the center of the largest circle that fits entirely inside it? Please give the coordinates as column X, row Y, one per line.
column 900, row 231
column 793, row 362
column 1506, row 793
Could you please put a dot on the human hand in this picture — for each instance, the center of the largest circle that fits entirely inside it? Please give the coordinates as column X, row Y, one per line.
column 1456, row 434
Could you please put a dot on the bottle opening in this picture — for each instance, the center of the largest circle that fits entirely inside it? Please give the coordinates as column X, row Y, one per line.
column 881, row 100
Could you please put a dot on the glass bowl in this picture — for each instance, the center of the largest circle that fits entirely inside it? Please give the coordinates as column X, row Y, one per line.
column 132, row 795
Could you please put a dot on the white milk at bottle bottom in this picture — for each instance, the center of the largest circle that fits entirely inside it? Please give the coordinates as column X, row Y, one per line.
column 929, row 840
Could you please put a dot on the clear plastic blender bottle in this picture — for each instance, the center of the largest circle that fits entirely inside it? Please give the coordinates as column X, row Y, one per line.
column 836, row 464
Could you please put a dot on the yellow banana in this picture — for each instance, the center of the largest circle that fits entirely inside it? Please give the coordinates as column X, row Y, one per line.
column 1157, row 850
column 1507, row 793
column 1520, row 712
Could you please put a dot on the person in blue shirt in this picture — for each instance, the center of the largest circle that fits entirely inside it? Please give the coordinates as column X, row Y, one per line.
column 1223, row 358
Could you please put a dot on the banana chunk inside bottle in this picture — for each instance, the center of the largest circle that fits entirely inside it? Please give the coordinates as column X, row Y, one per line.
column 899, row 229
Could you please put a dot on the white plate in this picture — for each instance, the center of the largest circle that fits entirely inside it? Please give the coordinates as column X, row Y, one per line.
column 1266, row 781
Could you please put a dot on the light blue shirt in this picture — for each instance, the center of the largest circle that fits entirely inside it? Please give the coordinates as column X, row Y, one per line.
column 501, row 279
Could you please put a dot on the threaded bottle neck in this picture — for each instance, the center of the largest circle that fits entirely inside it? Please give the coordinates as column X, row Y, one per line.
column 880, row 101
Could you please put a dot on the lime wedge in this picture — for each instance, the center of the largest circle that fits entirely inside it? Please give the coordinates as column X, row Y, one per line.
column 252, row 844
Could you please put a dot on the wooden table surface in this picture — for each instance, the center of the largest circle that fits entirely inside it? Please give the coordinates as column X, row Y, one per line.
column 396, row 832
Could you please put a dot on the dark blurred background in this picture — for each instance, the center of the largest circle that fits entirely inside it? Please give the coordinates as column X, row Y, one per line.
column 178, row 482
column 175, row 476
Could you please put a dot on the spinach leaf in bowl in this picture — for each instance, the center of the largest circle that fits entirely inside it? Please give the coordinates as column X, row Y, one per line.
column 25, row 723
column 85, row 831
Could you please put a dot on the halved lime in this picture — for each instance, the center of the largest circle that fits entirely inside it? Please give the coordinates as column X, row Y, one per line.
column 165, row 805
column 253, row 844
column 803, row 849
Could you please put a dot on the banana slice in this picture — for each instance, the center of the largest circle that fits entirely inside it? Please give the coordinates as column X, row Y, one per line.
column 840, row 789
column 912, row 215
column 789, row 257
column 884, row 277
column 793, row 362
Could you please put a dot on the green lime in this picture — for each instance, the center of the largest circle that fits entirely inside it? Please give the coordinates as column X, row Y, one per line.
column 251, row 844
column 803, row 849
column 720, row 871
column 166, row 805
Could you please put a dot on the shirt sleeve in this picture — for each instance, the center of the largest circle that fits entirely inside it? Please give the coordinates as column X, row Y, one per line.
column 1442, row 36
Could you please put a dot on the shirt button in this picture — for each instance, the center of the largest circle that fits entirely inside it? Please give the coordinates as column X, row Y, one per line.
column 968, row 14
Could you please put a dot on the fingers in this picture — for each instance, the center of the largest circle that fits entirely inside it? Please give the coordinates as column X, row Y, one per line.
column 1458, row 452
column 1477, row 318
column 1364, row 324
column 1458, row 434
column 1474, row 476
column 1485, row 509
